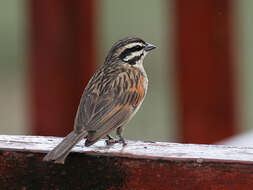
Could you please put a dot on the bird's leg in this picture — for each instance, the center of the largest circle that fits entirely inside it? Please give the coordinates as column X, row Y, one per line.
column 119, row 132
column 110, row 140
column 121, row 139
column 109, row 137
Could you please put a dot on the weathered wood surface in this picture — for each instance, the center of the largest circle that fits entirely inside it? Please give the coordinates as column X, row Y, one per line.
column 139, row 165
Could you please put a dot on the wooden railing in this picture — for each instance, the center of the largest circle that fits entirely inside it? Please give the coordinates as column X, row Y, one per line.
column 139, row 165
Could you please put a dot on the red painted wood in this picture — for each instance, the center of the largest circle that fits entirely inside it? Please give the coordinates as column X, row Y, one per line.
column 62, row 59
column 139, row 165
column 205, row 70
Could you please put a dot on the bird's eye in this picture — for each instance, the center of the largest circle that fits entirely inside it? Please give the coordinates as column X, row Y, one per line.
column 128, row 51
column 136, row 48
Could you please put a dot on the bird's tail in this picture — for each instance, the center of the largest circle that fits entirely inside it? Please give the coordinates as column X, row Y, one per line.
column 61, row 151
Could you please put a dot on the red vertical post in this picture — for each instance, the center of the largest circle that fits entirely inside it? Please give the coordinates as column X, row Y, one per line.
column 62, row 59
column 204, row 66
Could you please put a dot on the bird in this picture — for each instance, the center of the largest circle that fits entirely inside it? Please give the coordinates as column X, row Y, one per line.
column 110, row 99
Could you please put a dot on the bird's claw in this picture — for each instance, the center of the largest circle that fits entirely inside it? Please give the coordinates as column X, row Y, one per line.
column 111, row 141
column 122, row 140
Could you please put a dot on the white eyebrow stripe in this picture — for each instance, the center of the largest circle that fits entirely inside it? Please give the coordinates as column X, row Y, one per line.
column 133, row 54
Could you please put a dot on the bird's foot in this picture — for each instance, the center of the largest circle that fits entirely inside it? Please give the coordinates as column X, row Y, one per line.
column 122, row 140
column 111, row 140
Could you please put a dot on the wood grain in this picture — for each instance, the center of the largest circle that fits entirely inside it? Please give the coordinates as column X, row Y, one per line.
column 139, row 165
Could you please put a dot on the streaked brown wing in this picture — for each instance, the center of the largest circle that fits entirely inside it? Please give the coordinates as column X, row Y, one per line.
column 102, row 113
column 112, row 120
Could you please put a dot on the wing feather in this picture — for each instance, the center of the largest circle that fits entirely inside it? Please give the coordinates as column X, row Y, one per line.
column 101, row 113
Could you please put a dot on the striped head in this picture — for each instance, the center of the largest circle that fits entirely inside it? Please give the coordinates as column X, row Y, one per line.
column 130, row 50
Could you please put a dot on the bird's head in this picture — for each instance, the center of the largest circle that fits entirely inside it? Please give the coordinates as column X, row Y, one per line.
column 130, row 50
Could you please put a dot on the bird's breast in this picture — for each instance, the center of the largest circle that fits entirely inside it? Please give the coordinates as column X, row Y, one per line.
column 142, row 85
column 140, row 88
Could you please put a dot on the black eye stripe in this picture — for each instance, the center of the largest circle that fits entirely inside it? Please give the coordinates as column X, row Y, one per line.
column 136, row 48
column 128, row 51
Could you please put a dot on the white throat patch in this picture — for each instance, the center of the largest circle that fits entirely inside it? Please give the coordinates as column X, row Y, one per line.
column 139, row 63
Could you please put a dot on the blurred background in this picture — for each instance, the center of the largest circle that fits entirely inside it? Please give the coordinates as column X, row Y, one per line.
column 200, row 76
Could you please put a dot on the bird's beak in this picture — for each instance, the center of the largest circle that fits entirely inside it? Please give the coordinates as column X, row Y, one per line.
column 149, row 47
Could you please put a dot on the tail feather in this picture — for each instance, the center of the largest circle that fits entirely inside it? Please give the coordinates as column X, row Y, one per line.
column 61, row 151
